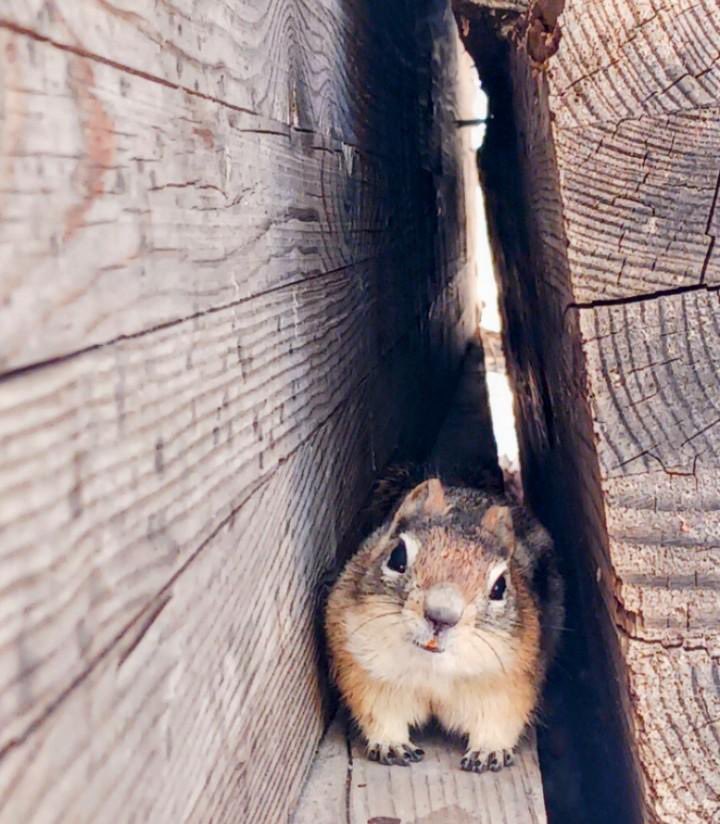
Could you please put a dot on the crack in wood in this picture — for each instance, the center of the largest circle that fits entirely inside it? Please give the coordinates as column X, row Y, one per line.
column 163, row 596
column 708, row 232
column 80, row 52
column 11, row 374
column 153, row 611
column 649, row 296
column 348, row 778
column 285, row 129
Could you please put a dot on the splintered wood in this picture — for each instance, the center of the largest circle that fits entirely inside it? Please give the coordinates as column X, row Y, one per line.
column 233, row 277
column 616, row 357
column 345, row 786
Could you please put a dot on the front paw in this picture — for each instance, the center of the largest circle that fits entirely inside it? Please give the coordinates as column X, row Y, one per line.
column 480, row 760
column 400, row 755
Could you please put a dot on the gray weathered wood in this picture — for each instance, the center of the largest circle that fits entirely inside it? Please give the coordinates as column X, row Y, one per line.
column 127, row 203
column 206, row 706
column 296, row 63
column 615, row 356
column 216, row 326
column 345, row 786
column 135, row 454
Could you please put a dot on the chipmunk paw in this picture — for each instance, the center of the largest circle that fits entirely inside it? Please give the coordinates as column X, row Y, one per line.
column 400, row 755
column 481, row 760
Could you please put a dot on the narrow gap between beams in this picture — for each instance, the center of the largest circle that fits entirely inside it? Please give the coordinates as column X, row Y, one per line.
column 490, row 324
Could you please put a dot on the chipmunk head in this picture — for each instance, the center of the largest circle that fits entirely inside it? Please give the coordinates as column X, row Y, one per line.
column 442, row 588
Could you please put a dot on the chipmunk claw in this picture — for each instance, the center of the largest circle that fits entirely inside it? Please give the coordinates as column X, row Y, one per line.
column 398, row 755
column 479, row 761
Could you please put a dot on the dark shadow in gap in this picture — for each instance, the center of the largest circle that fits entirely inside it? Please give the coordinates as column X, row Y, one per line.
column 583, row 753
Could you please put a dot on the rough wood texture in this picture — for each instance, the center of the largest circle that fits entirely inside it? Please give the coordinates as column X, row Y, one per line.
column 299, row 63
column 610, row 295
column 219, row 320
column 128, row 203
column 345, row 786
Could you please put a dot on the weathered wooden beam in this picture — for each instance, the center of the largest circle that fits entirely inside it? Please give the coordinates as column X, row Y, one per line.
column 206, row 703
column 300, row 65
column 345, row 786
column 609, row 291
column 127, row 203
column 217, row 325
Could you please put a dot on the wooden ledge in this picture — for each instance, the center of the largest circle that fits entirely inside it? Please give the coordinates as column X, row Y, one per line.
column 345, row 788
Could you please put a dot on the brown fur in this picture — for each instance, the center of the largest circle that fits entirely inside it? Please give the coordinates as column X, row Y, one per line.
column 463, row 537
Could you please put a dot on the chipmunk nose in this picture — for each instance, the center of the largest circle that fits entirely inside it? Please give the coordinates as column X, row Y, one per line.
column 444, row 606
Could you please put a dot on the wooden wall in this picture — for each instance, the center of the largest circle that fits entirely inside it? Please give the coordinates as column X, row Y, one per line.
column 233, row 279
column 610, row 294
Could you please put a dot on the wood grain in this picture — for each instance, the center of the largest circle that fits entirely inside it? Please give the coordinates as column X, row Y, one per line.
column 640, row 202
column 218, row 324
column 634, row 93
column 652, row 370
column 136, row 453
column 610, row 293
column 622, row 61
column 297, row 63
column 127, row 204
column 345, row 786
column 181, row 718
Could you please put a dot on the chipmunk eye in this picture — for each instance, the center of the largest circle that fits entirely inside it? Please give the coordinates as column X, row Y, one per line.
column 498, row 589
column 397, row 561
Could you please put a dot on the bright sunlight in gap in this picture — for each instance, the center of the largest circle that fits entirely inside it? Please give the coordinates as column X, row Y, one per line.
column 501, row 398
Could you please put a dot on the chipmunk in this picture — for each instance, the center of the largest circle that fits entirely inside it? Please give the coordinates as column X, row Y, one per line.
column 451, row 609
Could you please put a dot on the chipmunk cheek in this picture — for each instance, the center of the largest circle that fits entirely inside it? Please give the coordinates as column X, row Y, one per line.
column 470, row 614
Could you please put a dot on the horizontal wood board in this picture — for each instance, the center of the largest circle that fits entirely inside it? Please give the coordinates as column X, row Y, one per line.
column 219, row 322
column 128, row 200
column 345, row 786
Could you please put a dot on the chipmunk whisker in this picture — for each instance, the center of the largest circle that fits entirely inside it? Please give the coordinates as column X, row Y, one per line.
column 374, row 618
column 476, row 636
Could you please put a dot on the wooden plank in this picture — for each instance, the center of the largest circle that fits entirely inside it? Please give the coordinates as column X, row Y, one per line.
column 184, row 446
column 326, row 796
column 345, row 786
column 627, row 60
column 182, row 719
column 615, row 366
column 299, row 64
column 652, row 370
column 164, row 217
column 188, row 691
column 439, row 791
column 634, row 94
column 644, row 107
column 627, row 228
column 135, row 454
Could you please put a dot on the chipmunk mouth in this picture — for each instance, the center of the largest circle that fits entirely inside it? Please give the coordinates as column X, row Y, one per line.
column 430, row 646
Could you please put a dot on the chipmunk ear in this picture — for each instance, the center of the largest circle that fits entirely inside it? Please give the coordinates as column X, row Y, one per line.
column 428, row 498
column 498, row 520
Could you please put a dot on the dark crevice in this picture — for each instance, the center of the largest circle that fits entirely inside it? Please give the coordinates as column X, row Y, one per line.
column 348, row 778
column 587, row 761
column 708, row 230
